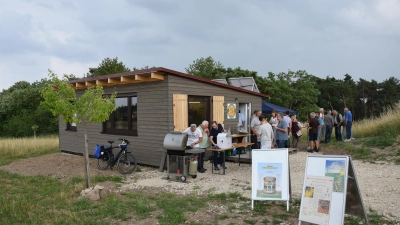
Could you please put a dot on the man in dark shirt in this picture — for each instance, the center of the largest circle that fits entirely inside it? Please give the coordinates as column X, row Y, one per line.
column 313, row 126
column 215, row 130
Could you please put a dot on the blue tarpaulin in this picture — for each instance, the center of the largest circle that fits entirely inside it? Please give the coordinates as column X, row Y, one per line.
column 268, row 107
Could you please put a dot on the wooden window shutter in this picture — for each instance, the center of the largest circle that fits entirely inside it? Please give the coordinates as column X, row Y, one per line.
column 218, row 109
column 180, row 106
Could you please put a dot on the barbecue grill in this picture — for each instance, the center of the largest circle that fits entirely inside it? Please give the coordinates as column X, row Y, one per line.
column 178, row 157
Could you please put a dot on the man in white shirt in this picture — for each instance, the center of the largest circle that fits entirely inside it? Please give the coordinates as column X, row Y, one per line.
column 194, row 136
column 266, row 133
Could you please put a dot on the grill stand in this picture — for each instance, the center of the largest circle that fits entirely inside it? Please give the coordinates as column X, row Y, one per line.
column 181, row 163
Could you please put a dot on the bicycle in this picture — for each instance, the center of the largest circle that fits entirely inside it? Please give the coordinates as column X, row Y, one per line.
column 126, row 162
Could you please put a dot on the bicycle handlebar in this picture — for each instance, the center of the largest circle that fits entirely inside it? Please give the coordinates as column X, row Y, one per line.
column 124, row 140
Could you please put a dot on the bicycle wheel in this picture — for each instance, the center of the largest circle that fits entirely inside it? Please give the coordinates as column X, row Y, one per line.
column 126, row 163
column 103, row 161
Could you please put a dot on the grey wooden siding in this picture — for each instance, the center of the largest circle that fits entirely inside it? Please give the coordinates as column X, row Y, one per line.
column 155, row 116
column 183, row 85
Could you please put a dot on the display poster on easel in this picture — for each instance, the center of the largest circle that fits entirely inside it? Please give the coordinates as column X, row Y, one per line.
column 323, row 198
column 317, row 199
column 270, row 175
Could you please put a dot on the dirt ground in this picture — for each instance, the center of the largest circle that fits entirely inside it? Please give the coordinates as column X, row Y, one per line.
column 65, row 166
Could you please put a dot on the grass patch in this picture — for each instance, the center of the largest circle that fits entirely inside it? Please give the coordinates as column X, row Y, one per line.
column 12, row 149
column 374, row 217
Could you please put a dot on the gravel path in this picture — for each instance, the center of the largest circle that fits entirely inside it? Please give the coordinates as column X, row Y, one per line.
column 379, row 183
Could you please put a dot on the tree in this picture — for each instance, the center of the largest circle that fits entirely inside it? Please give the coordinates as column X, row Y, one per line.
column 20, row 109
column 108, row 66
column 60, row 98
column 206, row 68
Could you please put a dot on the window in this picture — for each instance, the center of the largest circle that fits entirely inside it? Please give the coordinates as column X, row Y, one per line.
column 123, row 120
column 199, row 109
column 71, row 127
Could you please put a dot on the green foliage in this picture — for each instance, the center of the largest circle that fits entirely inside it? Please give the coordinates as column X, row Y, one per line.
column 294, row 90
column 60, row 98
column 108, row 66
column 206, row 68
column 20, row 109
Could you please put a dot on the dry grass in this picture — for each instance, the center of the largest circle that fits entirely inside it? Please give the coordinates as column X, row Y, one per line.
column 388, row 121
column 20, row 147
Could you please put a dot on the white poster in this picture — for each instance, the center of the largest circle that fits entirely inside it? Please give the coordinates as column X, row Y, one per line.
column 270, row 174
column 270, row 180
column 316, row 199
column 335, row 168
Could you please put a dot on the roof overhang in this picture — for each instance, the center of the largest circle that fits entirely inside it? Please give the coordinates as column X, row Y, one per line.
column 118, row 79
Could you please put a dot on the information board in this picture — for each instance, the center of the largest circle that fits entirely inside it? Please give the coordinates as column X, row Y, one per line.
column 325, row 167
column 270, row 175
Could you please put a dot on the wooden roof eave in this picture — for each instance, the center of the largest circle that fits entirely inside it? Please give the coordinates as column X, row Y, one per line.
column 113, row 81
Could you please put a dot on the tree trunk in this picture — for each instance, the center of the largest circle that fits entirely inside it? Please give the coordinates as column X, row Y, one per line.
column 86, row 159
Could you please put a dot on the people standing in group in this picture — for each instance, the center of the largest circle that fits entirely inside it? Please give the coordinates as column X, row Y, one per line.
column 255, row 129
column 274, row 121
column 313, row 127
column 321, row 115
column 295, row 129
column 328, row 121
column 348, row 122
column 281, row 131
column 266, row 133
column 215, row 130
column 204, row 144
column 289, row 123
column 337, row 123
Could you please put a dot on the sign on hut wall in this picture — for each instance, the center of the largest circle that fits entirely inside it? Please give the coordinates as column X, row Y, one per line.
column 231, row 109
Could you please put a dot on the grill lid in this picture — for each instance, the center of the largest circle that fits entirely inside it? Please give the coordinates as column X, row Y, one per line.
column 175, row 141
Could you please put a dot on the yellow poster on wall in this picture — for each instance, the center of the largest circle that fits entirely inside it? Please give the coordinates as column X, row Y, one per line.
column 231, row 109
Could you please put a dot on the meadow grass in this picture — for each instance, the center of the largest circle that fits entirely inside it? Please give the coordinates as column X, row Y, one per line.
column 382, row 131
column 19, row 148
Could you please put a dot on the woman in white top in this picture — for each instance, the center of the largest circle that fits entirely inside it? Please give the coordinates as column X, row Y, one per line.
column 266, row 133
column 274, row 121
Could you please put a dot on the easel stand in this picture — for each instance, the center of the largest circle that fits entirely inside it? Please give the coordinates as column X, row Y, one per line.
column 330, row 190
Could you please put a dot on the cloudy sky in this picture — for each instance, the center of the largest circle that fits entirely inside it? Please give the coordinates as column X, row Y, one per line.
column 330, row 37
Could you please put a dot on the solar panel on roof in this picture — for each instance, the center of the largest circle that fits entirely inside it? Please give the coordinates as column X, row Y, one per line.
column 221, row 81
column 247, row 83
